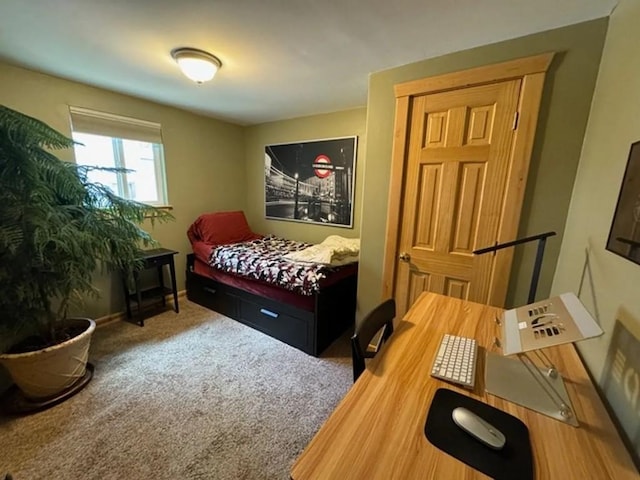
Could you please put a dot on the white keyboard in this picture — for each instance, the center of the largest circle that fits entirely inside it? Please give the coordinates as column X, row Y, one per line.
column 456, row 360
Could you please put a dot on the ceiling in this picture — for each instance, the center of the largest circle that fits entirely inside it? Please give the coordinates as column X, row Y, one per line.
column 281, row 58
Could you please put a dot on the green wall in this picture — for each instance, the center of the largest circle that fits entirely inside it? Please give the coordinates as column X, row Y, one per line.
column 204, row 157
column 563, row 117
column 339, row 124
column 610, row 286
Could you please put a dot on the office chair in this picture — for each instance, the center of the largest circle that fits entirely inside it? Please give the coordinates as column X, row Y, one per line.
column 379, row 318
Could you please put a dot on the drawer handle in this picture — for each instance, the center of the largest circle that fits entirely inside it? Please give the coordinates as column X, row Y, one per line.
column 269, row 313
column 210, row 290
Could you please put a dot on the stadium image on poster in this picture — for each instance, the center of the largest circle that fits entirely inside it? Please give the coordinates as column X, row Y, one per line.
column 311, row 181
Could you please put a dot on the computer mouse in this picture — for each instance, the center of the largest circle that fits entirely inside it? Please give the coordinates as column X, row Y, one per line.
column 478, row 428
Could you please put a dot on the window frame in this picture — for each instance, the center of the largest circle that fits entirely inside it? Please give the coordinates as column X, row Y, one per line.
column 117, row 129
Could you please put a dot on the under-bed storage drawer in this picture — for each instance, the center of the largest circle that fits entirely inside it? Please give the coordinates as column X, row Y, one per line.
column 292, row 330
column 284, row 322
column 309, row 330
column 211, row 295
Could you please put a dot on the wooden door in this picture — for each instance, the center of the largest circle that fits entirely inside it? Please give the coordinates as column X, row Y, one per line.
column 459, row 150
column 464, row 159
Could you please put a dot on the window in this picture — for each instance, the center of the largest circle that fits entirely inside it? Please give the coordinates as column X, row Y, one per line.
column 106, row 140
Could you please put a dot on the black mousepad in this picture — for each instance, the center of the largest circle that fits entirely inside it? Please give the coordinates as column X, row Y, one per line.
column 513, row 461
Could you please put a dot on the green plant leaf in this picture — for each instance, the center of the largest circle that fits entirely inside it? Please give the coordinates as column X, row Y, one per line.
column 56, row 227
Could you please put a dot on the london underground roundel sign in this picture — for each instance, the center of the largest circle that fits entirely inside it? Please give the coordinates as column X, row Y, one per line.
column 322, row 172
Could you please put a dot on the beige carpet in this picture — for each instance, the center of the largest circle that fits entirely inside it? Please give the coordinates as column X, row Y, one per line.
column 193, row 395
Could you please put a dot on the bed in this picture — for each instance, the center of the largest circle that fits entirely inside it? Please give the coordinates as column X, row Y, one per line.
column 233, row 271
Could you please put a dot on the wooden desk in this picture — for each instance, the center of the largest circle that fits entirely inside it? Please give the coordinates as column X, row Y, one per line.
column 377, row 430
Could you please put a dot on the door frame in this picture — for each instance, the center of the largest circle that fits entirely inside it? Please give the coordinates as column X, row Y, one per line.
column 531, row 71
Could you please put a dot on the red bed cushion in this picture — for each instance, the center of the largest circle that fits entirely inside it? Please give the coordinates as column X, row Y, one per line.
column 220, row 228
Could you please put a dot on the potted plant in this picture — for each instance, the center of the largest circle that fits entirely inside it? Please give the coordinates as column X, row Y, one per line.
column 57, row 229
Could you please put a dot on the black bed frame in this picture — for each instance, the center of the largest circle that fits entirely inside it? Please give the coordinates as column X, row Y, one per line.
column 311, row 332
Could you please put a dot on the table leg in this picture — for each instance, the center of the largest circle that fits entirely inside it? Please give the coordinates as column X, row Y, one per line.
column 161, row 282
column 172, row 269
column 127, row 300
column 136, row 278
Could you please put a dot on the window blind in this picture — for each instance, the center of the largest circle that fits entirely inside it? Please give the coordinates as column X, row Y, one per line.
column 110, row 125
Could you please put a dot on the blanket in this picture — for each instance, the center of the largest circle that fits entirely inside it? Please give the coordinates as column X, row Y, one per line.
column 263, row 259
column 334, row 250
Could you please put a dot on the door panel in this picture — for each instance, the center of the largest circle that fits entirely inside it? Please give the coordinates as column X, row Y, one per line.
column 456, row 288
column 459, row 152
column 418, row 283
column 429, row 189
column 467, row 215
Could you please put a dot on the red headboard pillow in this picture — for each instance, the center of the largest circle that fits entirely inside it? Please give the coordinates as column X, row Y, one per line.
column 220, row 228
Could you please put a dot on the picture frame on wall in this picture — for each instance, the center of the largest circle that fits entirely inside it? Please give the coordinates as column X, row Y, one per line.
column 624, row 236
column 311, row 181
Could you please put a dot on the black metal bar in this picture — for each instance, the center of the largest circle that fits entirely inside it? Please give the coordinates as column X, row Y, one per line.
column 537, row 266
column 500, row 246
column 536, row 270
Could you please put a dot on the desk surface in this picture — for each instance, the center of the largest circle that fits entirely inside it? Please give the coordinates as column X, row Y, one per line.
column 377, row 430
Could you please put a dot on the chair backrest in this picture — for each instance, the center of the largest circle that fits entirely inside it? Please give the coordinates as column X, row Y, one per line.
column 379, row 317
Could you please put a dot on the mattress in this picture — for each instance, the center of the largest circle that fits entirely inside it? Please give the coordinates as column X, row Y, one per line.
column 256, row 287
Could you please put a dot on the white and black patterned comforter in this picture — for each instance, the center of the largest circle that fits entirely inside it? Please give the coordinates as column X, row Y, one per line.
column 263, row 260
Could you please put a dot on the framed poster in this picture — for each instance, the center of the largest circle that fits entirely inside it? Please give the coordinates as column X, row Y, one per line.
column 311, row 181
column 624, row 236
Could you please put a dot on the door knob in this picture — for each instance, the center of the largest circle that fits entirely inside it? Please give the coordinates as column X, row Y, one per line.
column 404, row 256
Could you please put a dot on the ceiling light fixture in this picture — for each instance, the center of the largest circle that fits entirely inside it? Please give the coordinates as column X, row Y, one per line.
column 197, row 65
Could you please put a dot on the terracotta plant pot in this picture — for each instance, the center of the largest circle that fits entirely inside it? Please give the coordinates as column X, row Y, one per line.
column 45, row 373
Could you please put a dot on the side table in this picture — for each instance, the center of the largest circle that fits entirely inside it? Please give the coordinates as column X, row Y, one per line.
column 155, row 258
